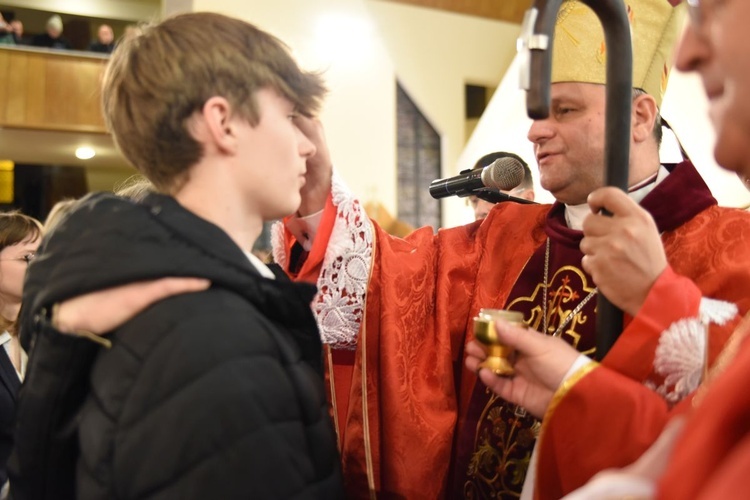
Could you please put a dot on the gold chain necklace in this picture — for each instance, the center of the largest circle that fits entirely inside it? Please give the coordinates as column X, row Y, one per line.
column 573, row 313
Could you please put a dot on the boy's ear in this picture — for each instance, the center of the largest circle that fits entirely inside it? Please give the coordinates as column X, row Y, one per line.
column 643, row 117
column 217, row 118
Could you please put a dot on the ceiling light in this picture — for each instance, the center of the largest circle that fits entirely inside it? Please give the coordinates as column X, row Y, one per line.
column 85, row 153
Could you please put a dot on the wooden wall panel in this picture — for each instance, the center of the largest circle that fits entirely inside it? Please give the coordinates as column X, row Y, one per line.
column 48, row 90
column 36, row 82
column 511, row 11
column 4, row 61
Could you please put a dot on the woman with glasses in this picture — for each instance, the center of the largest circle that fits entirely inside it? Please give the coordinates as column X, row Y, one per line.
column 20, row 236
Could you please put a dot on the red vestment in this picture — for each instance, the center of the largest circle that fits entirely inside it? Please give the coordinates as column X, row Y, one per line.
column 712, row 455
column 609, row 417
column 408, row 393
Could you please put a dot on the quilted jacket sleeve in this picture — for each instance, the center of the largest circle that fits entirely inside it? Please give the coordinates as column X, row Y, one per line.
column 43, row 462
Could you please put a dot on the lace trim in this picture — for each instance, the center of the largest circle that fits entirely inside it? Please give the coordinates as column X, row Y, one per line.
column 679, row 359
column 681, row 353
column 717, row 311
column 342, row 284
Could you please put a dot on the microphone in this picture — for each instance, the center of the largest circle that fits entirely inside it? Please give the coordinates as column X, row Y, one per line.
column 503, row 173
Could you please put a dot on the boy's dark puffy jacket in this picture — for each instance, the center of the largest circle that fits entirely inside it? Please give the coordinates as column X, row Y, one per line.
column 216, row 394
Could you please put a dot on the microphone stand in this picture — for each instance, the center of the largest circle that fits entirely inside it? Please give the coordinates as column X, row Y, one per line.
column 499, row 197
column 535, row 50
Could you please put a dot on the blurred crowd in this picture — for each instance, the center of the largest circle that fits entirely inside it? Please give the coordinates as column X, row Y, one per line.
column 12, row 33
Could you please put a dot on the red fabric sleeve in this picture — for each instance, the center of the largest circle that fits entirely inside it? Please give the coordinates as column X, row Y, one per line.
column 592, row 431
column 590, row 434
column 311, row 268
column 671, row 297
column 712, row 456
column 731, row 479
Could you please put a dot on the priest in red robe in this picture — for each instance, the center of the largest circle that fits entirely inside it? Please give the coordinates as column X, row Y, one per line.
column 397, row 313
column 600, row 412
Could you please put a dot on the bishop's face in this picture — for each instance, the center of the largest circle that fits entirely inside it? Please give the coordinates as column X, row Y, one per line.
column 569, row 144
column 714, row 45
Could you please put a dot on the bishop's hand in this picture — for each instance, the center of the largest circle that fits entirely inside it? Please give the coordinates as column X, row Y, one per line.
column 319, row 167
column 104, row 310
column 623, row 253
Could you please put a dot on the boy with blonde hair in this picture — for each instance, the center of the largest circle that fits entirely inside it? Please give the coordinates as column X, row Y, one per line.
column 213, row 394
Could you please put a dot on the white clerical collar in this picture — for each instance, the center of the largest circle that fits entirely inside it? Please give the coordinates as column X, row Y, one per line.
column 260, row 266
column 574, row 214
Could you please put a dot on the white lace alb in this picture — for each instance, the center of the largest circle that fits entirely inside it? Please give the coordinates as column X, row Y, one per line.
column 342, row 285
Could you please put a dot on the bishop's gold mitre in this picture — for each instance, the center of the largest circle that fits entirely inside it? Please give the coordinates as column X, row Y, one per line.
column 579, row 52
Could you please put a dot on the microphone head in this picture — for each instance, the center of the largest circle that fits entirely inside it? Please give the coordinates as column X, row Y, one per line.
column 503, row 173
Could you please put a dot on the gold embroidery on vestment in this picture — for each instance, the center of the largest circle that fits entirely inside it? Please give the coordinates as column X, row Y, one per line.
column 498, row 466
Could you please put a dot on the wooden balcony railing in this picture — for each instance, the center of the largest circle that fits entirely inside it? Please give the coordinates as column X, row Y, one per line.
column 50, row 90
column 511, row 11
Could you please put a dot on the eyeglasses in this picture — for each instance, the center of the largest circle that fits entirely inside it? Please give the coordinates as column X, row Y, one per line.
column 27, row 258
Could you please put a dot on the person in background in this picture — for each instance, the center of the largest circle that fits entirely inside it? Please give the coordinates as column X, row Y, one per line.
column 58, row 213
column 6, row 32
column 135, row 187
column 524, row 190
column 20, row 236
column 52, row 37
column 18, row 35
column 105, row 40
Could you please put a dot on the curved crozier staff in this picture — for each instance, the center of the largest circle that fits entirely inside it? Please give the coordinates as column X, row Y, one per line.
column 535, row 47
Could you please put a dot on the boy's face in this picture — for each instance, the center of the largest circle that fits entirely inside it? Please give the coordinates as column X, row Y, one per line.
column 273, row 157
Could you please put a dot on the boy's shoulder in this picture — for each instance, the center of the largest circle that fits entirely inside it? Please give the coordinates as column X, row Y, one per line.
column 193, row 318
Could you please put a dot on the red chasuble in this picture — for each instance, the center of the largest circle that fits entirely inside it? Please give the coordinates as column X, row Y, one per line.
column 409, row 393
column 495, row 442
column 397, row 421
